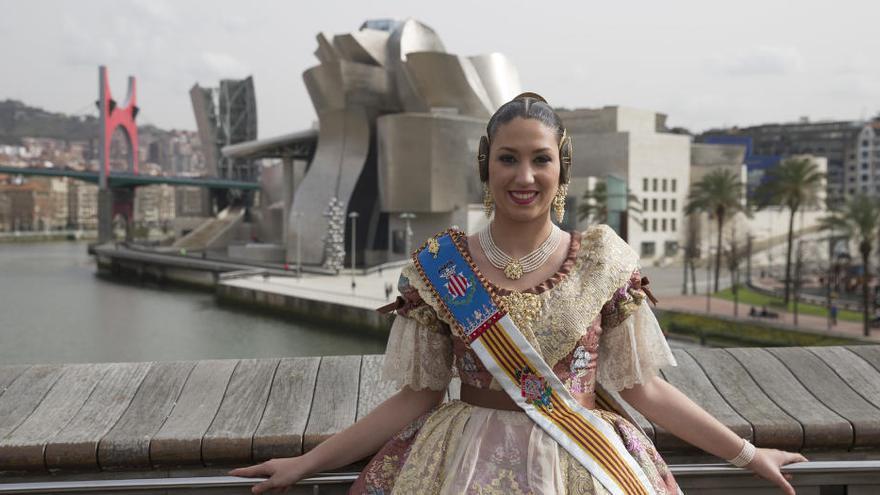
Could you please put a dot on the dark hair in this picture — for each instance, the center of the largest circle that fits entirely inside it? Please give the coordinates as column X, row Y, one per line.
column 526, row 106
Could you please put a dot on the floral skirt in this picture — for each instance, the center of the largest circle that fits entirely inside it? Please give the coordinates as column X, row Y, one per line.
column 463, row 449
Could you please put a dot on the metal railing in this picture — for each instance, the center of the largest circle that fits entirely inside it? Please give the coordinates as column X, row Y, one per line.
column 843, row 469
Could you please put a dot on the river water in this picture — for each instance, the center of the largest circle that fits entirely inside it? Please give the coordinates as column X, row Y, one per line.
column 54, row 309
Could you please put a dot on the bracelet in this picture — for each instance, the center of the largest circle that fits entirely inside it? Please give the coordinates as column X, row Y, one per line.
column 745, row 455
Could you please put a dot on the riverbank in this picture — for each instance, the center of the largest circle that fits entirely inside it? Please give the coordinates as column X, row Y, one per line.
column 48, row 236
column 350, row 300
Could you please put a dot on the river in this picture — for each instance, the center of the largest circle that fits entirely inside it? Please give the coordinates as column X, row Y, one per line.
column 54, row 309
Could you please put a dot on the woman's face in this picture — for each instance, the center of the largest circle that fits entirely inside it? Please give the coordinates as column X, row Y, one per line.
column 523, row 169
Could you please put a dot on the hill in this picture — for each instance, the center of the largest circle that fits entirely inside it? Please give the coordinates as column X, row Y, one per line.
column 18, row 120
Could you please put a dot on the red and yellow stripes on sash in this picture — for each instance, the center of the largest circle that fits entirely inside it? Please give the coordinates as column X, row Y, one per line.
column 508, row 356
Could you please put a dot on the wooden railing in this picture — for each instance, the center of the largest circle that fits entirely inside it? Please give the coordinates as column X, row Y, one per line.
column 204, row 416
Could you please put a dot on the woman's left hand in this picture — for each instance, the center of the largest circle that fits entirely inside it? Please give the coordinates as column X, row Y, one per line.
column 767, row 464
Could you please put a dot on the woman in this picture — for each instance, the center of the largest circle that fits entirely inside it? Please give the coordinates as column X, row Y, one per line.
column 573, row 302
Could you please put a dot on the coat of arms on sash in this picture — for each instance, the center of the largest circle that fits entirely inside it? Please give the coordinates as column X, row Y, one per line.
column 534, row 388
column 459, row 287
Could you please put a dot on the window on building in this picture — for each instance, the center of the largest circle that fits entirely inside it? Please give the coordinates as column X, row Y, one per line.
column 654, row 225
column 644, row 225
column 864, row 189
column 645, row 184
column 648, row 248
column 664, row 185
column 654, row 204
column 672, row 224
column 663, row 225
column 645, row 203
column 673, row 185
column 673, row 204
column 864, row 154
column 852, row 191
column 670, row 248
column 865, row 142
column 864, row 177
column 663, row 204
column 655, row 184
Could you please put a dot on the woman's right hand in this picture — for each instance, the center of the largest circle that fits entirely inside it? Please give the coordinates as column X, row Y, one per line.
column 281, row 474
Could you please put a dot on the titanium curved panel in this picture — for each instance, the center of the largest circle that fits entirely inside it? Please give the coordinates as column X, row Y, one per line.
column 324, row 84
column 413, row 36
column 410, row 36
column 366, row 85
column 342, row 151
column 325, row 52
column 368, row 46
column 445, row 80
column 427, row 162
column 499, row 76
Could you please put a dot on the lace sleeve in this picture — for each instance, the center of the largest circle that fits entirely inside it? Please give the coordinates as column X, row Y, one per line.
column 632, row 347
column 419, row 351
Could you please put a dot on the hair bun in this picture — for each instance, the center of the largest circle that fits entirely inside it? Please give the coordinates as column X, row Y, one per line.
column 529, row 94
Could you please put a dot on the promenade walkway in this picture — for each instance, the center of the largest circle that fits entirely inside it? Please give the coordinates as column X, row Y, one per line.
column 723, row 307
column 368, row 292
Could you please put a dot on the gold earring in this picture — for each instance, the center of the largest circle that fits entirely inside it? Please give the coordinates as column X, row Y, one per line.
column 559, row 202
column 488, row 202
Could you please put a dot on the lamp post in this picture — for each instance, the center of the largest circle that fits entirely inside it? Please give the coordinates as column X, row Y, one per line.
column 297, row 215
column 407, row 239
column 709, row 265
column 353, row 216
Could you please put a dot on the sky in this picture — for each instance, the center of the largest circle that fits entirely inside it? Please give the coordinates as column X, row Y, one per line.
column 703, row 63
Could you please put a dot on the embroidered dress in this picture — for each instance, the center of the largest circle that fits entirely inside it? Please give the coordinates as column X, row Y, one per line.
column 587, row 331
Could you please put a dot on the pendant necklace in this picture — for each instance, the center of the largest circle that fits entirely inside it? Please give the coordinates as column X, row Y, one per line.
column 514, row 268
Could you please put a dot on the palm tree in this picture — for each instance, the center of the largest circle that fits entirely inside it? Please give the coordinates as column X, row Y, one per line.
column 859, row 219
column 794, row 183
column 594, row 207
column 720, row 194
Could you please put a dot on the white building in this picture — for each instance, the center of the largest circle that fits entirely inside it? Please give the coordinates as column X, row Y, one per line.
column 862, row 171
column 632, row 144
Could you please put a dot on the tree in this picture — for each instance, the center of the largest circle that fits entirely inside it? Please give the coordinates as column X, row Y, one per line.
column 691, row 253
column 594, row 207
column 859, row 219
column 720, row 195
column 794, row 183
column 734, row 258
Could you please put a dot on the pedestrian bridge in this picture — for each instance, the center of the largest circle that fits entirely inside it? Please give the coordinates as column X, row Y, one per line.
column 128, row 179
column 172, row 426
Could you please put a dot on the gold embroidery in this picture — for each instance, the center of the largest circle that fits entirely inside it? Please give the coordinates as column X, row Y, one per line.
column 433, row 246
column 555, row 320
column 523, row 308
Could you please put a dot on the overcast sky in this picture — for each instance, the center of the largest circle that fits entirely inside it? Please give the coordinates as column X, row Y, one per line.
column 704, row 63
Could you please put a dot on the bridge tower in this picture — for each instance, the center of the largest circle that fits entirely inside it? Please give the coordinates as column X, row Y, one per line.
column 111, row 201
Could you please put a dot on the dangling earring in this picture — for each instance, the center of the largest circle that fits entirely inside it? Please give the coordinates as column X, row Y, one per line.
column 488, row 202
column 559, row 202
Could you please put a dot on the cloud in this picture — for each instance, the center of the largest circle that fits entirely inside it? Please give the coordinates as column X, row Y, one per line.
column 759, row 61
column 223, row 65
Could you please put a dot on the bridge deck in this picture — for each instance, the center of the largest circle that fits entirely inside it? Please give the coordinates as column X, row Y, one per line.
column 88, row 417
column 128, row 179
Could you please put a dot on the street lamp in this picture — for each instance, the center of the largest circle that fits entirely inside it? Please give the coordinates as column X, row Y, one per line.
column 353, row 216
column 406, row 217
column 297, row 215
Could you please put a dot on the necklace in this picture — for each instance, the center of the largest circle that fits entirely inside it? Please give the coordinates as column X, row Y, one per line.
column 515, row 268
